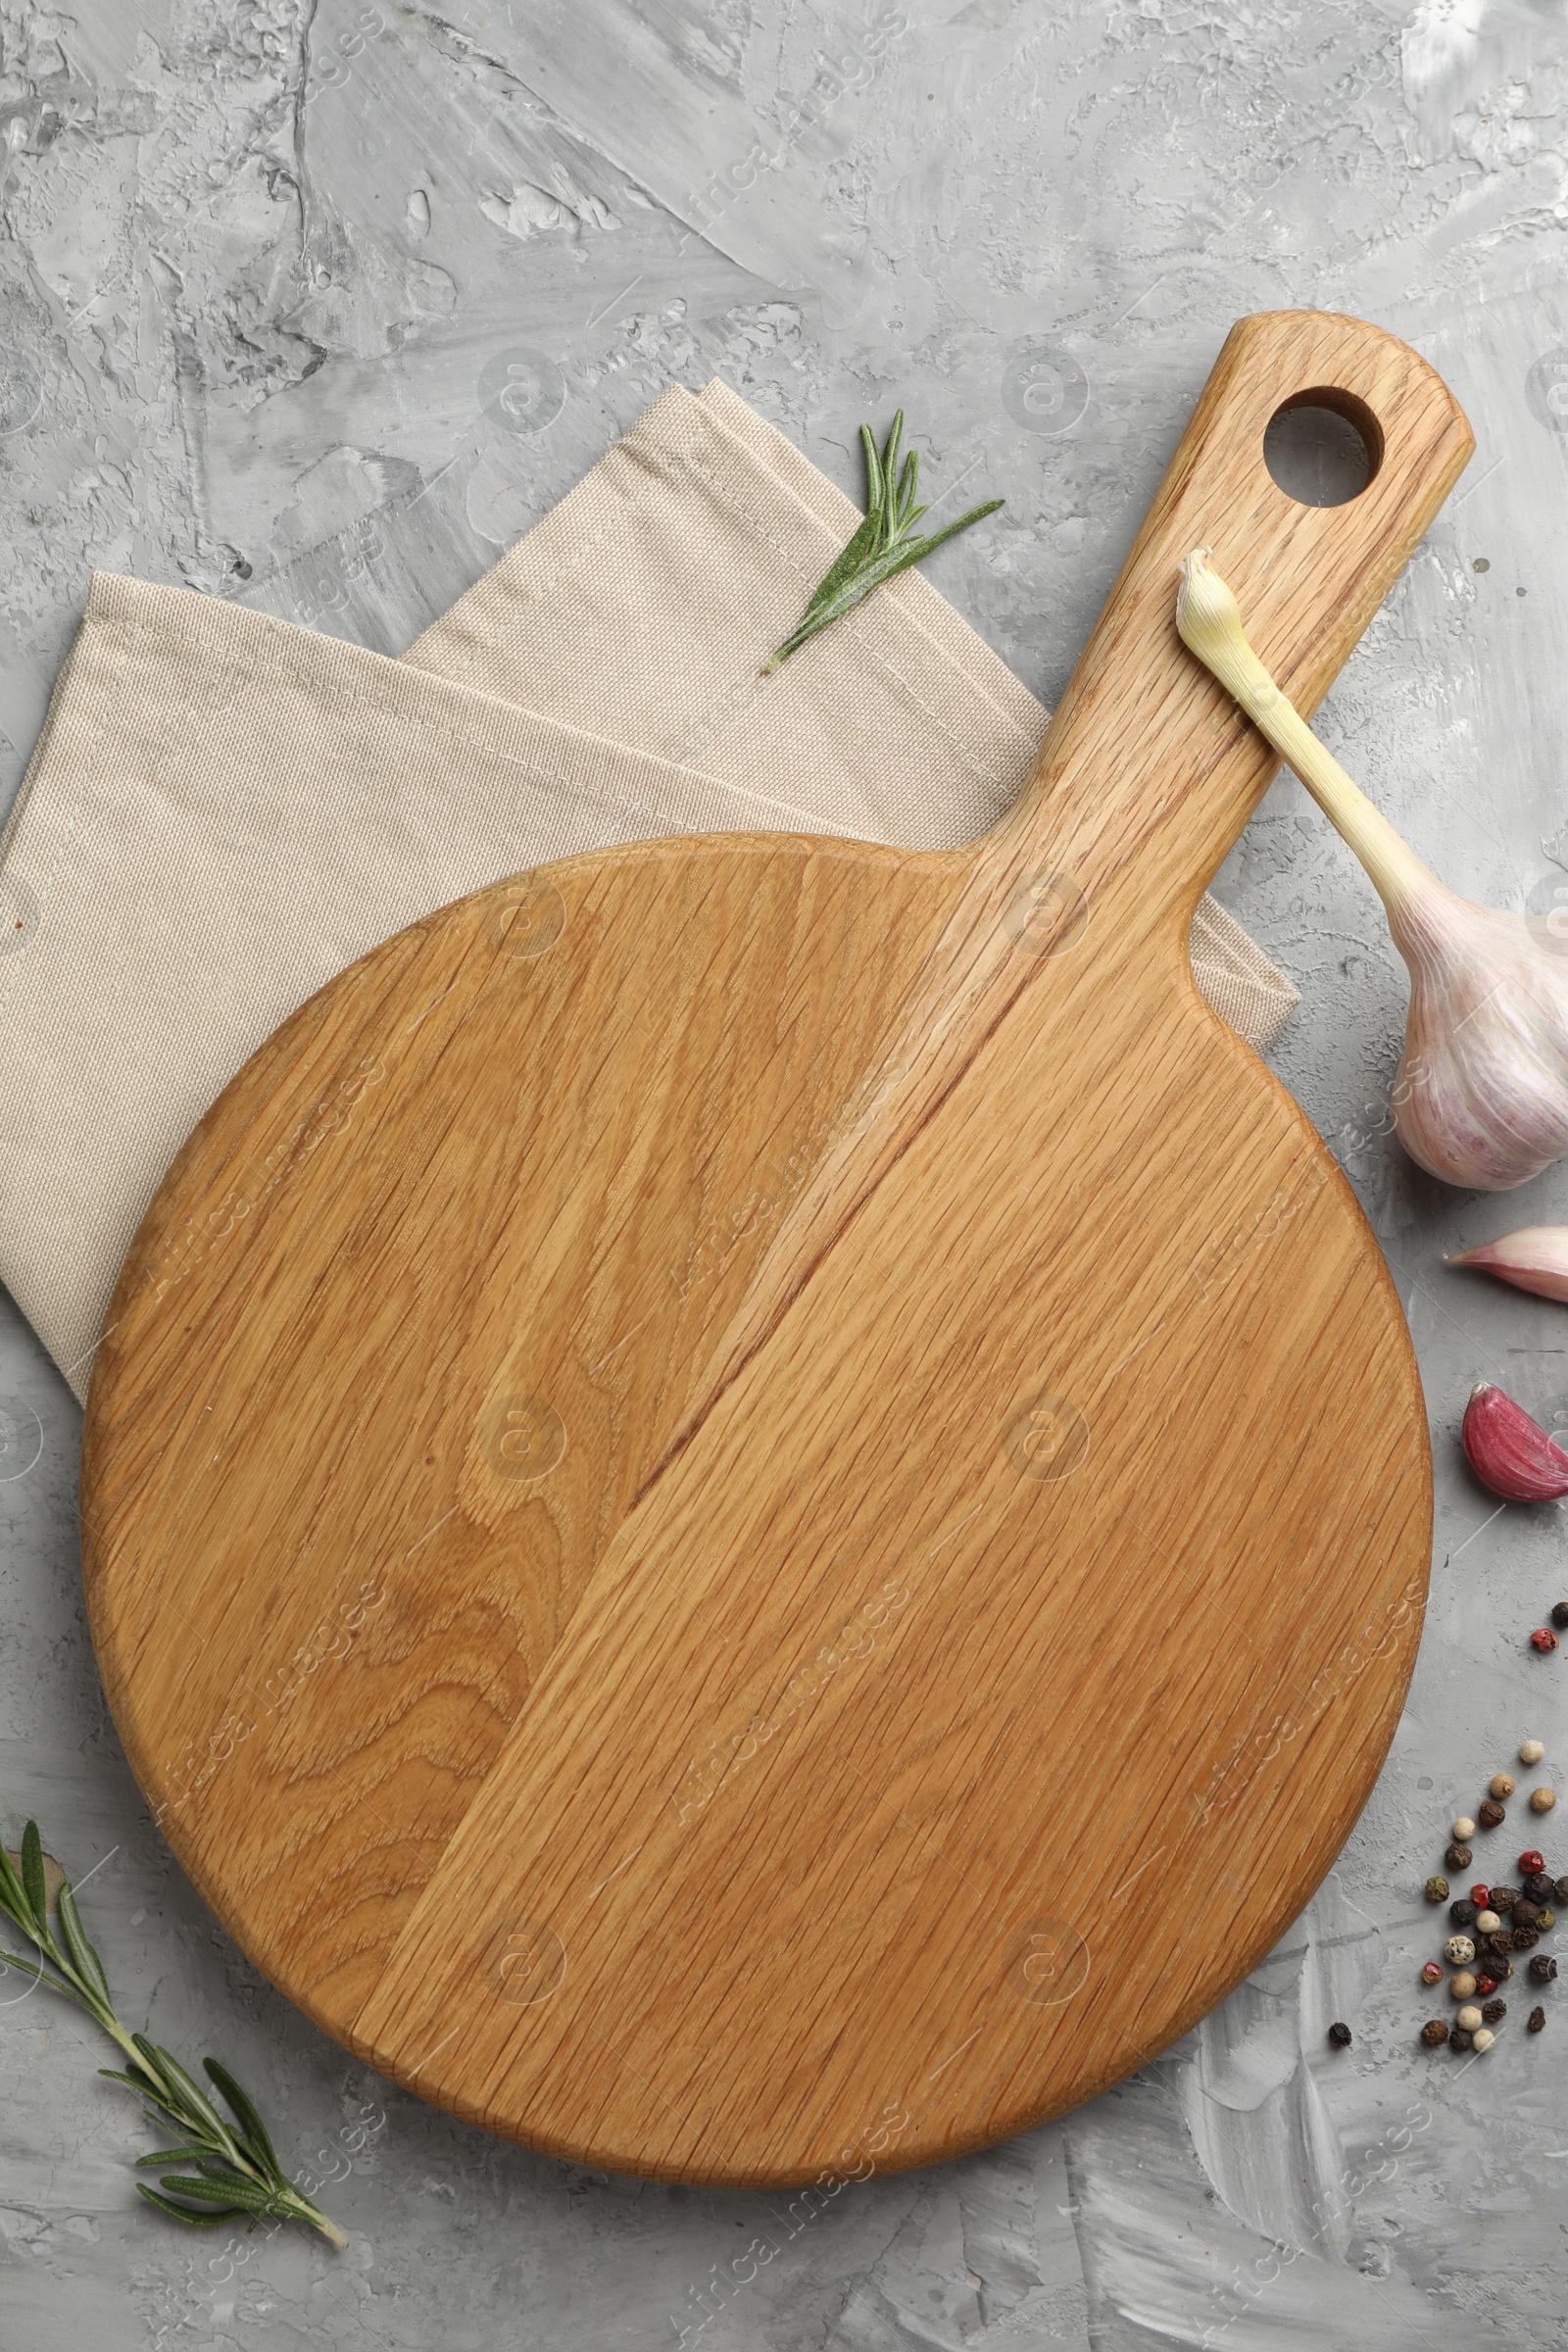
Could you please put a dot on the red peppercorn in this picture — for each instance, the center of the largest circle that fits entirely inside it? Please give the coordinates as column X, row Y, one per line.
column 1543, row 1637
column 1481, row 1896
column 1531, row 1860
column 1485, row 1984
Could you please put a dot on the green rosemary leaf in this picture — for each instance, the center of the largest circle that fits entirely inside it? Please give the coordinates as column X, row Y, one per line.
column 883, row 545
column 13, row 1895
column 218, row 2188
column 85, row 1959
column 258, row 2144
column 191, row 2155
column 32, row 1873
column 198, row 2221
column 907, row 481
column 41, row 1972
column 187, row 2092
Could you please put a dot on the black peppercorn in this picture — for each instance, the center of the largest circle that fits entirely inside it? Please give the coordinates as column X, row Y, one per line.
column 1559, row 1615
column 1458, row 1857
column 1458, row 2039
column 1434, row 2032
column 1503, row 1899
column 1501, row 1942
column 1501, row 1968
column 1489, row 1813
column 1539, row 1886
column 1525, row 1940
column 1494, row 2012
column 1525, row 1912
column 1535, row 2021
column 1462, row 1914
column 1560, row 1888
column 1339, row 2036
column 1543, row 1968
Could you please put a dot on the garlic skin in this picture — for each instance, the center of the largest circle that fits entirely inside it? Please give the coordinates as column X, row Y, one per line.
column 1535, row 1258
column 1508, row 1452
column 1481, row 1097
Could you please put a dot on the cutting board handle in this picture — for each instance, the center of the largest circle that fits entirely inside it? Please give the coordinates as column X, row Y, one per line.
column 1164, row 771
column 1148, row 770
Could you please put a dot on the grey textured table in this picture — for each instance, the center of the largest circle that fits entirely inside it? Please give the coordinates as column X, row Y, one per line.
column 318, row 305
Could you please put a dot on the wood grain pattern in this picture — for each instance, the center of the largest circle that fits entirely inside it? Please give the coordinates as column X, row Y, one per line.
column 720, row 1465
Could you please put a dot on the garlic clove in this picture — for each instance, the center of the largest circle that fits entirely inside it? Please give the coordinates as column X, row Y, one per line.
column 1508, row 1452
column 1535, row 1258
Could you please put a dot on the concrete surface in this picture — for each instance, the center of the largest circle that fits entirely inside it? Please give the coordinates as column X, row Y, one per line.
column 318, row 305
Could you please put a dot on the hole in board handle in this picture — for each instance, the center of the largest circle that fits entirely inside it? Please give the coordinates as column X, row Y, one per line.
column 1322, row 446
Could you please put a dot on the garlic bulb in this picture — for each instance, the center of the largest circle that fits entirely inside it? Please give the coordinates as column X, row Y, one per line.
column 1535, row 1258
column 1481, row 1098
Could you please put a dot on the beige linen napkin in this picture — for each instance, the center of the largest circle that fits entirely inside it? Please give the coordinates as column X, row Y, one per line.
column 223, row 811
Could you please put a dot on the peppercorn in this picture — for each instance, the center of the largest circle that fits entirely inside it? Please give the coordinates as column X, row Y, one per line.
column 1481, row 2039
column 1548, row 1919
column 1543, row 1639
column 1560, row 1888
column 1535, row 2021
column 1503, row 1970
column 1458, row 1949
column 1525, row 1940
column 1436, row 1890
column 1525, row 1912
column 1469, row 2017
column 1462, row 1985
column 1488, row 1924
column 1463, row 1829
column 1501, row 1943
column 1479, row 1896
column 1502, row 1783
column 1503, row 1899
column 1536, row 1885
column 1339, row 2036
column 1458, row 1857
column 1458, row 2039
column 1431, row 1972
column 1559, row 1615
column 1486, row 1983
column 1543, row 1968
column 1435, row 2031
column 1494, row 2012
column 1531, row 1751
column 1542, row 1800
column 1489, row 1813
column 1462, row 1914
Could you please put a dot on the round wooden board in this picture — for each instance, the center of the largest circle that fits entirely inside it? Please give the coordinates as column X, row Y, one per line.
column 757, row 1508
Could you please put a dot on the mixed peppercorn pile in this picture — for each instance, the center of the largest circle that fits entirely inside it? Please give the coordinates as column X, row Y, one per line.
column 1494, row 1925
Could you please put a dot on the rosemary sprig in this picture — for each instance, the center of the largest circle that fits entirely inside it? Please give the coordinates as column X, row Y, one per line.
column 233, row 2167
column 884, row 544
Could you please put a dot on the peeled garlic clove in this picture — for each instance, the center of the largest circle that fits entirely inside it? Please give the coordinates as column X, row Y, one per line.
column 1508, row 1452
column 1535, row 1258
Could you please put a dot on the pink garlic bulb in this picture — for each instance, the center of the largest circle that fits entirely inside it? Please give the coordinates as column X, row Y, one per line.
column 1481, row 1098
column 1535, row 1258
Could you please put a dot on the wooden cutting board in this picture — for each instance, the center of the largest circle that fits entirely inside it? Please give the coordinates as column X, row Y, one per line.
column 757, row 1508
